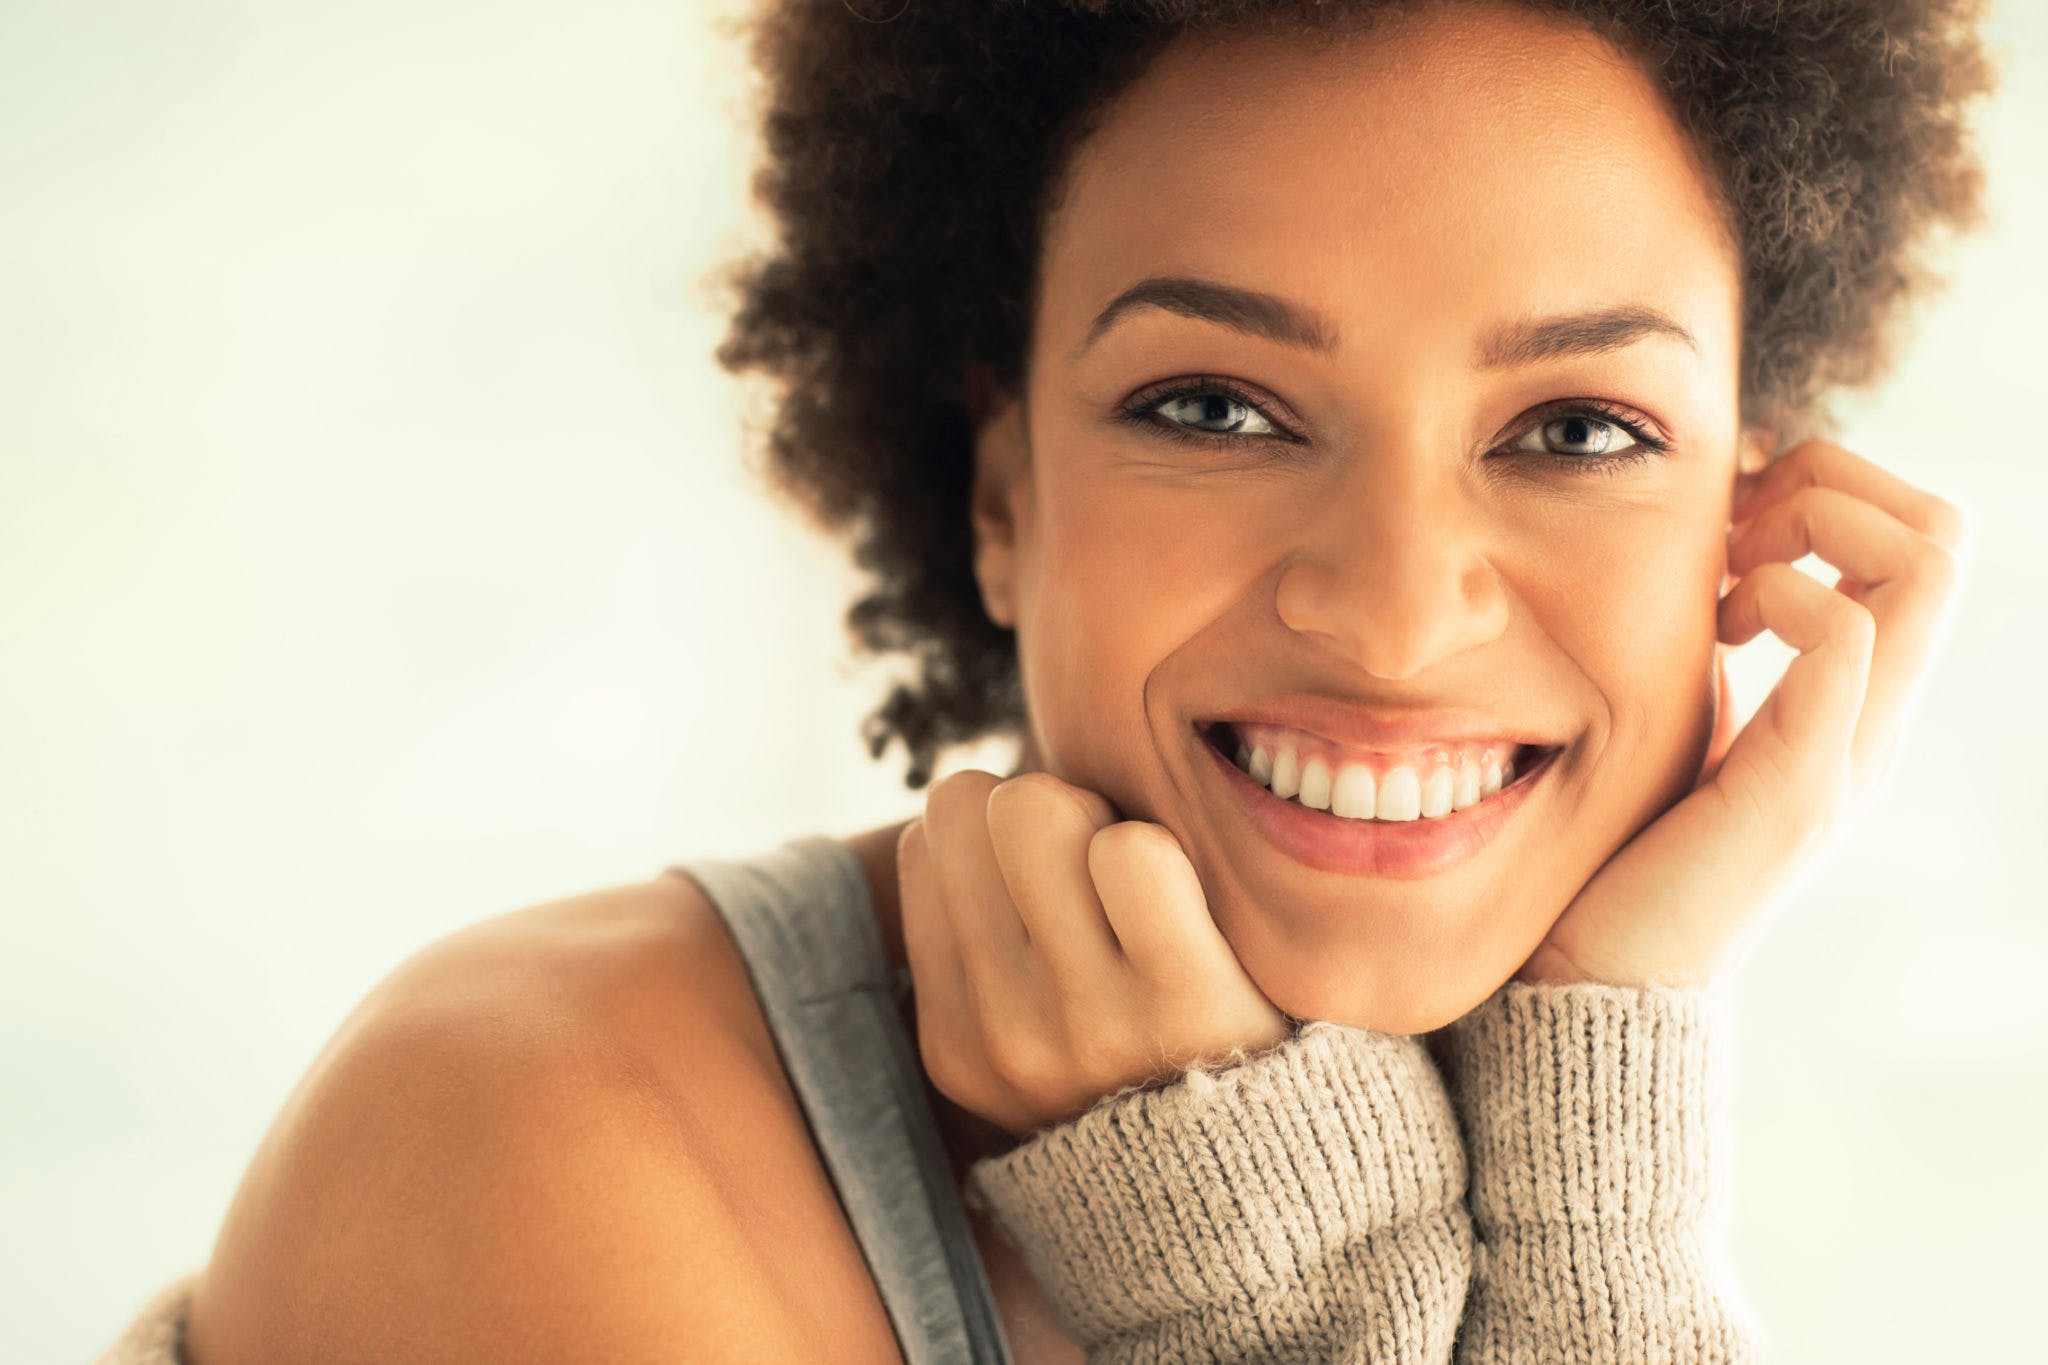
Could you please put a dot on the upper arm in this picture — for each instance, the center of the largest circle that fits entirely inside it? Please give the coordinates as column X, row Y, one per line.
column 502, row 1171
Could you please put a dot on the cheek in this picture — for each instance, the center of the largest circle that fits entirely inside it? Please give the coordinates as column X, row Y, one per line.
column 1630, row 596
column 1126, row 571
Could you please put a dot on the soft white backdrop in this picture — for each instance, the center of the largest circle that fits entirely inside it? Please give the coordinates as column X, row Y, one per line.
column 376, row 555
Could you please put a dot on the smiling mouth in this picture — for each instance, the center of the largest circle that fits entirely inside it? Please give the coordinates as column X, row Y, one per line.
column 1437, row 785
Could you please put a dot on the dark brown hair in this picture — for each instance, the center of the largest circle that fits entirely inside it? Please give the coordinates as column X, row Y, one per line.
column 911, row 146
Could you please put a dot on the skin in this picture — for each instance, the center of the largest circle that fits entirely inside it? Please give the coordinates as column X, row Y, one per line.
column 1101, row 918
column 1397, row 553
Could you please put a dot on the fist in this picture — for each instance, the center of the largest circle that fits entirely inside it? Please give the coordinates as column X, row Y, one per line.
column 1058, row 955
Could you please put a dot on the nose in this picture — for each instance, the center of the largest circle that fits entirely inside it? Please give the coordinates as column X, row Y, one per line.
column 1394, row 573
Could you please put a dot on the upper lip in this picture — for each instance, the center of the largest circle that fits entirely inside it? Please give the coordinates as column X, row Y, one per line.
column 1381, row 728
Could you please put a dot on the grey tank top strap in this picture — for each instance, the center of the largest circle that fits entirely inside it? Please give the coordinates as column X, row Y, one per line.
column 803, row 918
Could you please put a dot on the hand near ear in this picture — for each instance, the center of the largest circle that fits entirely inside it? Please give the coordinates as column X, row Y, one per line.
column 1675, row 904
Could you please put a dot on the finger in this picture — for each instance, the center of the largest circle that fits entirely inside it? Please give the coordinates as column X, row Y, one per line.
column 938, row 981
column 1809, row 719
column 1039, row 827
column 970, row 882
column 1156, row 905
column 1906, row 580
column 1823, row 463
column 1860, row 538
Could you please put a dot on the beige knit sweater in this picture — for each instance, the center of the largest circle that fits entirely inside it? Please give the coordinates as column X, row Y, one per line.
column 1311, row 1203
column 1318, row 1202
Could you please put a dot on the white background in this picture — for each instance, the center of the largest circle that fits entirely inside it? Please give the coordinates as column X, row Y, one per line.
column 376, row 555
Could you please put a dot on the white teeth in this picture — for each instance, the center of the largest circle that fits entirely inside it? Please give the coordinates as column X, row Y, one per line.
column 1353, row 794
column 1286, row 775
column 1400, row 795
column 1489, row 778
column 1315, row 783
column 1466, row 794
column 1436, row 793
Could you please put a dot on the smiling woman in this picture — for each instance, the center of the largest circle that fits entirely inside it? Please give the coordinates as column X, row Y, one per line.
column 1340, row 442
column 1440, row 481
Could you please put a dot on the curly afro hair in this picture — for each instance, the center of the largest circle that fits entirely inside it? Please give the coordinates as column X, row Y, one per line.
column 911, row 149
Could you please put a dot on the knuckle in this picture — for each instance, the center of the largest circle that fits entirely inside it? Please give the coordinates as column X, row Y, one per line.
column 959, row 794
column 1790, row 518
column 1772, row 577
column 1036, row 783
column 1110, row 847
column 1022, row 1064
column 955, row 1077
column 1854, row 621
column 1040, row 792
column 1127, row 837
column 1796, row 461
column 1940, row 568
column 1811, row 503
column 1947, row 523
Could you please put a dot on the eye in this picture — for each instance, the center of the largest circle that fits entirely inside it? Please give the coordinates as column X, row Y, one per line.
column 1589, row 434
column 1582, row 435
column 1206, row 409
column 1223, row 413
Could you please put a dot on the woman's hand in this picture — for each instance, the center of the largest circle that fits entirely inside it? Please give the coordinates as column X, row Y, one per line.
column 1674, row 904
column 1058, row 955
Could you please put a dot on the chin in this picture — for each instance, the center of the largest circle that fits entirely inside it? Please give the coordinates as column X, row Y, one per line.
column 1404, row 1003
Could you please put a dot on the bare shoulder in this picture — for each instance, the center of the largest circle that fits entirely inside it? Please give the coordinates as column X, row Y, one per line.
column 559, row 1134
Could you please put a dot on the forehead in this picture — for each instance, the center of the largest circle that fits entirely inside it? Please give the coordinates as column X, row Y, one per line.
column 1425, row 175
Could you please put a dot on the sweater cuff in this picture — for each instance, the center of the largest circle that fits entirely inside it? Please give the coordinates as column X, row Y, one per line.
column 1585, row 1103
column 1311, row 1195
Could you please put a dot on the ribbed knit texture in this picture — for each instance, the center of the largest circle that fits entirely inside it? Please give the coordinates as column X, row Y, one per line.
column 1305, row 1204
column 1592, row 1121
column 1297, row 1206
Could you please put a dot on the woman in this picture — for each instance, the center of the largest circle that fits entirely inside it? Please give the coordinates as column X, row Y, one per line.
column 1341, row 442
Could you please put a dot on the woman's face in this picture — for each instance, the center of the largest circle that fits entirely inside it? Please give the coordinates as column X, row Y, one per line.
column 1392, row 504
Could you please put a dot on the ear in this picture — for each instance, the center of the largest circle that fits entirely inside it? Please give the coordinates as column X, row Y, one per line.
column 1000, row 498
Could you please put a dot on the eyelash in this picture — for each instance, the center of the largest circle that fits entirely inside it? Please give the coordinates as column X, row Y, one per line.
column 1141, row 412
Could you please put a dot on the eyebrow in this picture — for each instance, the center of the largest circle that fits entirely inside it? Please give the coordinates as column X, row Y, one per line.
column 1521, row 342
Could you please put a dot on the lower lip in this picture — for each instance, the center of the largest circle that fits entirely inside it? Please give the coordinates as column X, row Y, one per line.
column 1374, row 848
